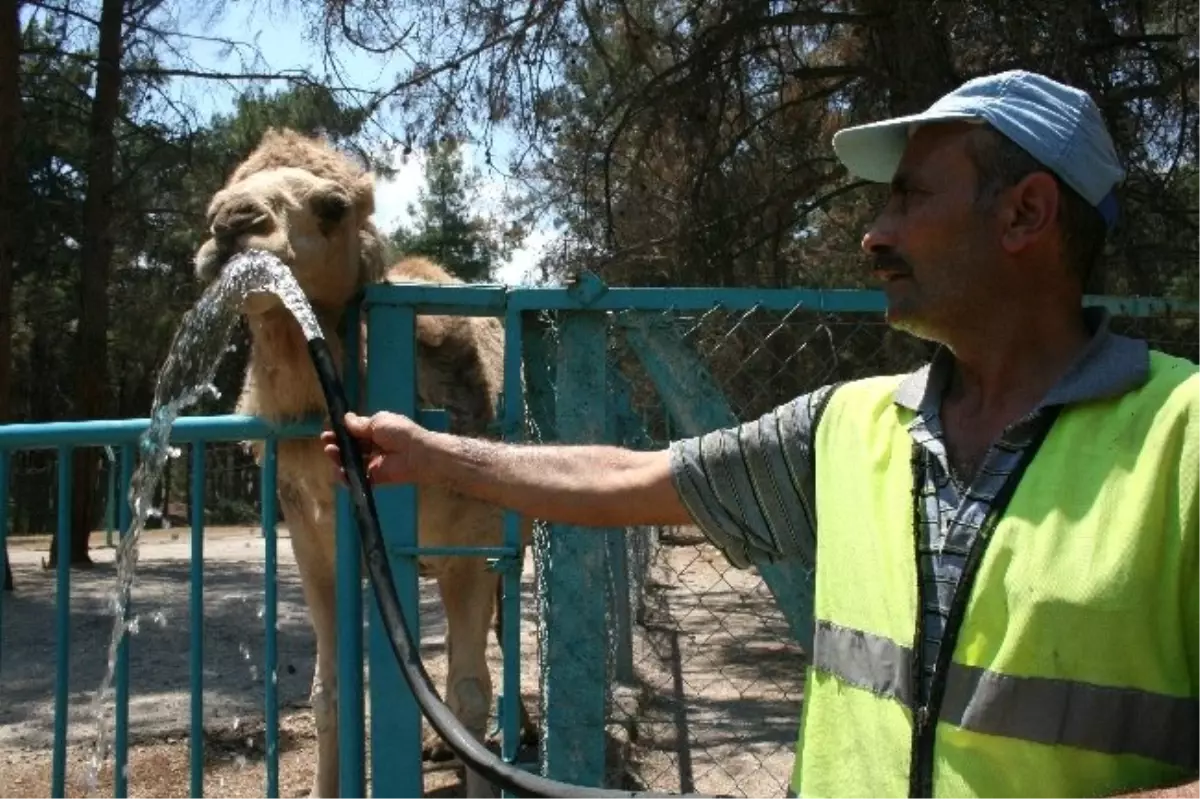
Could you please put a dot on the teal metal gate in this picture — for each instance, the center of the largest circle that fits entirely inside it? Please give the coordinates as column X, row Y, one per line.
column 558, row 380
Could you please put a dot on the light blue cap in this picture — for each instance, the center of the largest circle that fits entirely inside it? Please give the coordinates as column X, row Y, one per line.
column 1058, row 125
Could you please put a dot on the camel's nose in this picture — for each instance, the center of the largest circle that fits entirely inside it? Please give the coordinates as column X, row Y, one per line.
column 240, row 215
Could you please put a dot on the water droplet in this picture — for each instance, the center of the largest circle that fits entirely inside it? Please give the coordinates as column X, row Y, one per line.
column 254, row 672
column 245, row 650
column 202, row 339
column 262, row 609
column 237, row 722
column 241, row 761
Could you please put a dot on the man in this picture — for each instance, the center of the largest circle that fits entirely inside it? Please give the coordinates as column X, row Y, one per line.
column 1006, row 590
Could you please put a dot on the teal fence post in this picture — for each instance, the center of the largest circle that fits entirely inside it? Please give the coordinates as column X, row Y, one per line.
column 513, row 429
column 196, row 604
column 270, row 471
column 697, row 406
column 348, row 595
column 110, row 498
column 395, row 717
column 121, row 733
column 62, row 600
column 573, row 612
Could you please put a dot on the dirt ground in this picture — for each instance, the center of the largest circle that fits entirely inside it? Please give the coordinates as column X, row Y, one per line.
column 713, row 707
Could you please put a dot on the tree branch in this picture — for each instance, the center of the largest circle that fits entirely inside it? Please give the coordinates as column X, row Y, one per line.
column 66, row 12
column 1124, row 94
column 295, row 76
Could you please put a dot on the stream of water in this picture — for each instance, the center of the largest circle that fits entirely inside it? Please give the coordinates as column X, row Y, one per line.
column 186, row 377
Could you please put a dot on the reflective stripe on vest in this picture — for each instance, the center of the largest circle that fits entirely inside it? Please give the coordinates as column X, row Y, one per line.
column 1050, row 711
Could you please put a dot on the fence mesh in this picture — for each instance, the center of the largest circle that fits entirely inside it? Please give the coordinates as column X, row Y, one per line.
column 705, row 693
column 713, row 701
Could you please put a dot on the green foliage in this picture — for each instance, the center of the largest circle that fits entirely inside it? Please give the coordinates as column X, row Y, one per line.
column 684, row 143
column 165, row 172
column 446, row 230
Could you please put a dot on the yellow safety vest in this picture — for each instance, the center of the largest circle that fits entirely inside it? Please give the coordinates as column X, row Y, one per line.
column 1070, row 663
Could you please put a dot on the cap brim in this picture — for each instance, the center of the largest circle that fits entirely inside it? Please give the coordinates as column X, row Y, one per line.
column 873, row 151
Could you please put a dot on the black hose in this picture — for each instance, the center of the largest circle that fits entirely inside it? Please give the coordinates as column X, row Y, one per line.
column 470, row 750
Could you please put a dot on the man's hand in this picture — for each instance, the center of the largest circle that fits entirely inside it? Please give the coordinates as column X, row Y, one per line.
column 391, row 444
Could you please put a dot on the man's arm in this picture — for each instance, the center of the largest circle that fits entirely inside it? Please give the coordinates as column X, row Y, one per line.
column 748, row 488
column 597, row 486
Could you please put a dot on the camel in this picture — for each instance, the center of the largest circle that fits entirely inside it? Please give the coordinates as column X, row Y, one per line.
column 297, row 197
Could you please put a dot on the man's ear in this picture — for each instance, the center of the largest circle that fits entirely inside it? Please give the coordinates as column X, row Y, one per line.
column 1031, row 211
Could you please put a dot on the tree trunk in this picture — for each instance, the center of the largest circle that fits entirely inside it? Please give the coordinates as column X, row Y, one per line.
column 10, row 200
column 91, row 388
column 910, row 49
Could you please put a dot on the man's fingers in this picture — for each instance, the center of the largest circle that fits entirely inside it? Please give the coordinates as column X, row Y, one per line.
column 357, row 425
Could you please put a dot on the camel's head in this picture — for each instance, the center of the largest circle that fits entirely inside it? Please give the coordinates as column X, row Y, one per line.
column 307, row 204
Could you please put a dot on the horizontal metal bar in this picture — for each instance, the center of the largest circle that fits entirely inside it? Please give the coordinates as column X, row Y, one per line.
column 475, row 552
column 478, row 299
column 186, row 429
column 493, row 300
column 701, row 299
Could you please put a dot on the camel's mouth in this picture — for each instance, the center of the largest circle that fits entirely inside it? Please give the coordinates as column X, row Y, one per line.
column 216, row 253
column 211, row 261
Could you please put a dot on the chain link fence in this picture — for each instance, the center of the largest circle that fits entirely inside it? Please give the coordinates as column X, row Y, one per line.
column 705, row 694
column 704, row 681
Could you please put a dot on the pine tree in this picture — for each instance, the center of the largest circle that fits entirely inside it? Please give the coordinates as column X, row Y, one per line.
column 445, row 229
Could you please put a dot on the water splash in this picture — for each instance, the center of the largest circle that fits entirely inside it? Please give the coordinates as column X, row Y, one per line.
column 187, row 376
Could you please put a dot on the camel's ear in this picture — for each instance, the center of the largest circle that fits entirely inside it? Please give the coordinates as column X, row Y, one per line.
column 372, row 254
column 362, row 192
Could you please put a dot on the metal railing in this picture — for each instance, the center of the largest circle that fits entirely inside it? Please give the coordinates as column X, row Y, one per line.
column 65, row 437
column 560, row 391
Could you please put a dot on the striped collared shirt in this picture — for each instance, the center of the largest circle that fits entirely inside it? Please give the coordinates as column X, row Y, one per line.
column 750, row 489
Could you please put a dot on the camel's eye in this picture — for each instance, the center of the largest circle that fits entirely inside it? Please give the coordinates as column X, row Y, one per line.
column 330, row 206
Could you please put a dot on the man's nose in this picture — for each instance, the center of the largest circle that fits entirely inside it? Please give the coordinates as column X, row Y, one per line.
column 879, row 238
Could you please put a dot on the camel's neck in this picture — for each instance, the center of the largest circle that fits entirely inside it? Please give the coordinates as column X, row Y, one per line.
column 281, row 381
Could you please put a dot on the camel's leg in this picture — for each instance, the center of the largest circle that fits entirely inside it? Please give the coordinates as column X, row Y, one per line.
column 528, row 730
column 468, row 588
column 313, row 550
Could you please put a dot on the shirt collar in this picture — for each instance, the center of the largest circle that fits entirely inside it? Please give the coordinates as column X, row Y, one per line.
column 1110, row 365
